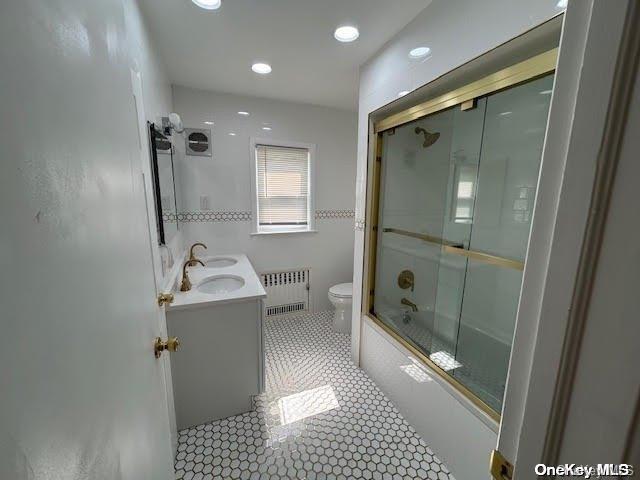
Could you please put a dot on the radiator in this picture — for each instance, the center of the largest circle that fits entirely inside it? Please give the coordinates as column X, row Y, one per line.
column 287, row 292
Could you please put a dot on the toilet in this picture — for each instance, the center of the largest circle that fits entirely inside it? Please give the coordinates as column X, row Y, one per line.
column 340, row 297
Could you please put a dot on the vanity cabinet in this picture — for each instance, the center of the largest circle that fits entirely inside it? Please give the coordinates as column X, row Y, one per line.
column 219, row 367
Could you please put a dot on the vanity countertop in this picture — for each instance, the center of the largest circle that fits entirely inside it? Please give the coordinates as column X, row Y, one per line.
column 229, row 276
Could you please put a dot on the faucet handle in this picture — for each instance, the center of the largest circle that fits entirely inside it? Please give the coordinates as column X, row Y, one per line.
column 406, row 280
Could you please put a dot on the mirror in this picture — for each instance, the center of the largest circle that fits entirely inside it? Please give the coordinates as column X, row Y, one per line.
column 163, row 183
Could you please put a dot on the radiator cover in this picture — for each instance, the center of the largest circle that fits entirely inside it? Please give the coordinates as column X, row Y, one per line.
column 287, row 291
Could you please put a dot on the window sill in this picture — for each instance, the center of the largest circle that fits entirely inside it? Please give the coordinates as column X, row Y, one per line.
column 283, row 232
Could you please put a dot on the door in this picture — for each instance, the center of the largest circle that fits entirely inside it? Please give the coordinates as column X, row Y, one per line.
column 145, row 176
column 81, row 393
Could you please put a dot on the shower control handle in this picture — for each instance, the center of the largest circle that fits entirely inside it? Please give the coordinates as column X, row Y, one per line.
column 406, row 279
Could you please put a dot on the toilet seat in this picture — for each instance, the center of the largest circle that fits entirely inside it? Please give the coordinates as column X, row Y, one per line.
column 342, row 290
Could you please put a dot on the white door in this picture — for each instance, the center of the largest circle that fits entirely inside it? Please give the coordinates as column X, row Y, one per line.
column 543, row 406
column 144, row 174
column 81, row 393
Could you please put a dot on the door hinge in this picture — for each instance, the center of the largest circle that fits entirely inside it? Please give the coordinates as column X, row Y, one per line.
column 501, row 469
column 165, row 299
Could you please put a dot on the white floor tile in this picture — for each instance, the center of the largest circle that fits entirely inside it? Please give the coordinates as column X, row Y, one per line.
column 320, row 418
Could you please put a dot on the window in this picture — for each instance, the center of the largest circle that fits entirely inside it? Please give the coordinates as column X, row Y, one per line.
column 464, row 192
column 283, row 188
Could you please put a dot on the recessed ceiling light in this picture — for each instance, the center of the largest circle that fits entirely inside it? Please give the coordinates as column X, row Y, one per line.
column 231, row 134
column 402, row 93
column 266, row 128
column 207, row 122
column 419, row 52
column 261, row 68
column 208, row 4
column 562, row 3
column 545, row 92
column 243, row 113
column 346, row 33
column 503, row 114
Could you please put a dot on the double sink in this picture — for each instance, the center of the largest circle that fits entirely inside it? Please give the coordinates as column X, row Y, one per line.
column 220, row 284
column 222, row 279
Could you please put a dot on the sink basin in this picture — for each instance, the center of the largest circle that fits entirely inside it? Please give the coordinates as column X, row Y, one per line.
column 220, row 284
column 220, row 262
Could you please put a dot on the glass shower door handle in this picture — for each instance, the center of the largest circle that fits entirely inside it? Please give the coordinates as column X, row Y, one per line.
column 423, row 236
column 484, row 257
column 459, row 249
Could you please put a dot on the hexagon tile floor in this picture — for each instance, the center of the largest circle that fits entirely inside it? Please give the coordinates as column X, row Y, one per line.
column 320, row 418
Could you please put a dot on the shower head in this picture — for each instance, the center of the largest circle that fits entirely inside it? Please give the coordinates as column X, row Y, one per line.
column 429, row 138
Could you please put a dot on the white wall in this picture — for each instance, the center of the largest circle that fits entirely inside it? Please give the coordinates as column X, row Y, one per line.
column 225, row 179
column 82, row 395
column 457, row 31
column 156, row 93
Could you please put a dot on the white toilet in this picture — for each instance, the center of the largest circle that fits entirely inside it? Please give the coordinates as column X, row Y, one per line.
column 340, row 296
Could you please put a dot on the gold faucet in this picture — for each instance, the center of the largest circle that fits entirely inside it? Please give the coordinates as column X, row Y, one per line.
column 185, row 286
column 192, row 257
column 409, row 303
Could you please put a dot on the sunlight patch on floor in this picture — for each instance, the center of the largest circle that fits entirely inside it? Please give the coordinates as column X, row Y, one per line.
column 307, row 404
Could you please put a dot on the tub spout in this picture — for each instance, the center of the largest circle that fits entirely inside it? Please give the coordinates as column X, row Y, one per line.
column 409, row 303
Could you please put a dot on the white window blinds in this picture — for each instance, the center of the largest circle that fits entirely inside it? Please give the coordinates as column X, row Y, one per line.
column 282, row 185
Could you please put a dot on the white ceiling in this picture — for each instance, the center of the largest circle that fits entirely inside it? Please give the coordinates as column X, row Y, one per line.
column 214, row 50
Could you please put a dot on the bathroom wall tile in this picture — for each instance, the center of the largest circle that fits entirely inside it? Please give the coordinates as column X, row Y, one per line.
column 225, row 179
column 238, row 216
column 327, row 253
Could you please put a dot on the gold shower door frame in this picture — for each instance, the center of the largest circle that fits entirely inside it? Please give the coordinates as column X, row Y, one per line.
column 466, row 97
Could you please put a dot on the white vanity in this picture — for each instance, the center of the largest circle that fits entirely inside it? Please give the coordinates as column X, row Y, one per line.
column 219, row 366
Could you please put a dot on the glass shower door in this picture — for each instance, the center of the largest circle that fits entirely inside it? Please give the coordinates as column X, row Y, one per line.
column 419, row 160
column 462, row 186
column 512, row 142
column 457, row 190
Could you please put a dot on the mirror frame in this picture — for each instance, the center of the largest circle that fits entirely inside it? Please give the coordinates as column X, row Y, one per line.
column 157, row 194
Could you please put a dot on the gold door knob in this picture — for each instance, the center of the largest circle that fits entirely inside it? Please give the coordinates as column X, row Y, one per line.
column 165, row 298
column 170, row 345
